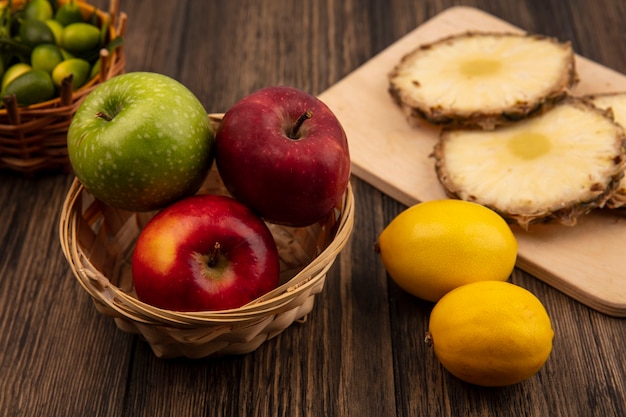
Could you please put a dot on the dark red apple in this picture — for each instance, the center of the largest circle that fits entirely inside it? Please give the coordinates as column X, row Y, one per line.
column 283, row 153
column 205, row 252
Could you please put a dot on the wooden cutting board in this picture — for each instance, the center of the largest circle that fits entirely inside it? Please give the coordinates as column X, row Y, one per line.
column 586, row 261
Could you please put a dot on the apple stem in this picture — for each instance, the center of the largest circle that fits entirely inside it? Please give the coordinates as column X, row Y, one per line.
column 295, row 134
column 214, row 255
column 104, row 116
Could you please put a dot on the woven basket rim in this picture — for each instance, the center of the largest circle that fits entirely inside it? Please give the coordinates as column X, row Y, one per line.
column 130, row 307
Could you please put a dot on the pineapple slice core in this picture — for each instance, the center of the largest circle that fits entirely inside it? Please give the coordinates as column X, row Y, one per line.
column 480, row 67
column 529, row 145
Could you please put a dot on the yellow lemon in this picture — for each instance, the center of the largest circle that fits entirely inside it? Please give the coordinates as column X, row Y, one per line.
column 436, row 246
column 491, row 333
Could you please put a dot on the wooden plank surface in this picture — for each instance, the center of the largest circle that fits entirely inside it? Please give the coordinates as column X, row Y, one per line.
column 585, row 261
column 360, row 351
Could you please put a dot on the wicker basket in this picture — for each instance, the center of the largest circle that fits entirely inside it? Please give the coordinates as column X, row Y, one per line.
column 34, row 138
column 98, row 241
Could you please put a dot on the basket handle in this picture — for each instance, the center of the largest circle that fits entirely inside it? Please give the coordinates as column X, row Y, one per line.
column 67, row 87
column 10, row 103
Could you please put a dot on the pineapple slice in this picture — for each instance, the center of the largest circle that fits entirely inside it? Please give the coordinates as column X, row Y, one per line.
column 616, row 102
column 554, row 166
column 482, row 79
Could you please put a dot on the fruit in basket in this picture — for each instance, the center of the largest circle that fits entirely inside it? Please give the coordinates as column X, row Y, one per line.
column 13, row 72
column 68, row 13
column 435, row 246
column 35, row 32
column 284, row 153
column 38, row 9
column 140, row 141
column 32, row 36
column 79, row 38
column 555, row 166
column 77, row 67
column 57, row 30
column 491, row 333
column 205, row 252
column 45, row 57
column 482, row 78
column 31, row 87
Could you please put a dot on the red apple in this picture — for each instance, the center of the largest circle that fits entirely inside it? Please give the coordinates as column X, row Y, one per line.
column 283, row 153
column 205, row 252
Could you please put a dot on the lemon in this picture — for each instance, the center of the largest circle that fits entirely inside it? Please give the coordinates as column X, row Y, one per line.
column 436, row 246
column 491, row 333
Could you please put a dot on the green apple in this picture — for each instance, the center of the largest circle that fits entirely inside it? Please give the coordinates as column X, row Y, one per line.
column 140, row 141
